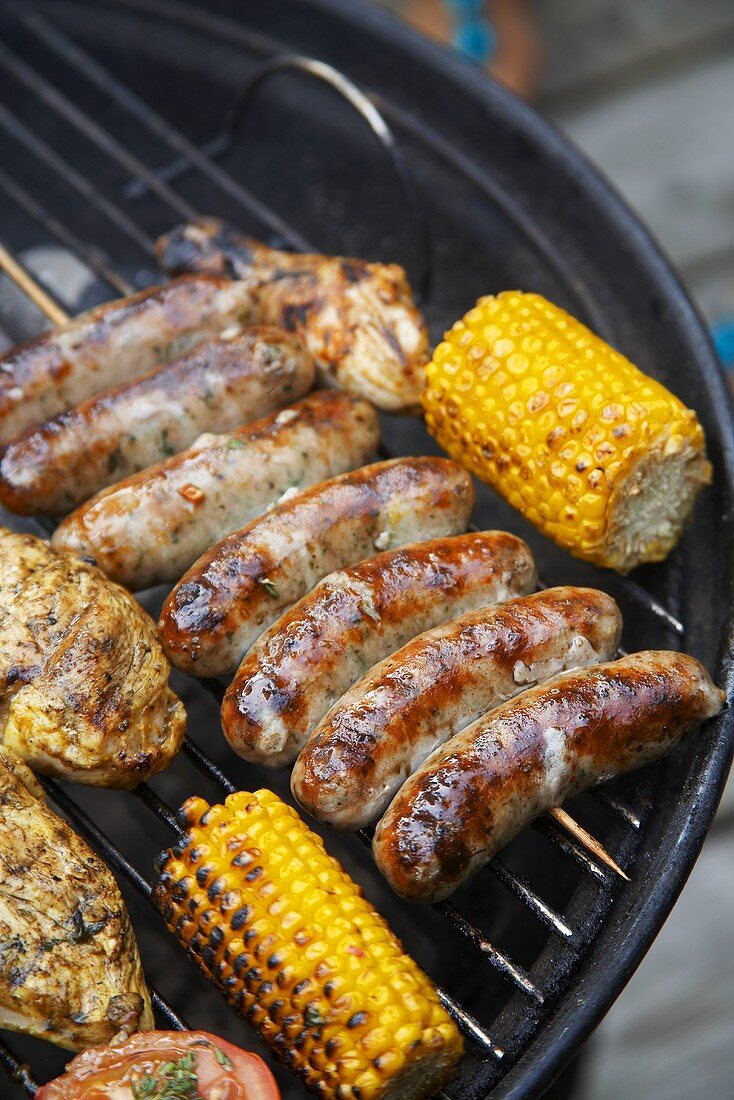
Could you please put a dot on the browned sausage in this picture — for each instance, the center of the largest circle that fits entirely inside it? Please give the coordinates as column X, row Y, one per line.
column 151, row 527
column 114, row 343
column 383, row 729
column 242, row 584
column 238, row 376
column 476, row 792
column 320, row 647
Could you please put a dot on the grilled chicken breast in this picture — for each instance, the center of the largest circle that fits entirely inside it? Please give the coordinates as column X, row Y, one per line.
column 69, row 965
column 357, row 319
column 83, row 680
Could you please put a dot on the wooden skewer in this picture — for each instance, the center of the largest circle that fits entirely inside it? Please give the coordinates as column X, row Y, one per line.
column 31, row 288
column 23, row 278
column 589, row 842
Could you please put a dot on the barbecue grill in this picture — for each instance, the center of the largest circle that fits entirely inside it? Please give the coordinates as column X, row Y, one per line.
column 122, row 117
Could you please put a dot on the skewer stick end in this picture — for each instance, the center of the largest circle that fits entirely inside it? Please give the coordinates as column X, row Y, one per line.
column 589, row 842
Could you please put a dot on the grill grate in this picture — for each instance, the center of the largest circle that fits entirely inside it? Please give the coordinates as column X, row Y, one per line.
column 531, row 995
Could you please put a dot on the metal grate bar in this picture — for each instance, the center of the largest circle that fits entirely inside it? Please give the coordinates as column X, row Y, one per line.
column 97, row 838
column 519, row 888
column 469, row 1025
column 642, row 597
column 180, row 166
column 617, row 805
column 560, row 839
column 17, row 1071
column 134, row 105
column 207, row 766
column 79, row 183
column 156, row 805
column 165, row 1011
column 498, row 959
column 66, row 109
column 92, row 257
column 501, row 962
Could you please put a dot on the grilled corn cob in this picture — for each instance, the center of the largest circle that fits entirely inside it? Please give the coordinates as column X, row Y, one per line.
column 290, row 940
column 600, row 457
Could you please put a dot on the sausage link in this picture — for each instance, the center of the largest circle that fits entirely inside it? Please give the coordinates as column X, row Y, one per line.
column 222, row 383
column 428, row 691
column 114, row 343
column 358, row 320
column 475, row 793
column 320, row 647
column 237, row 590
column 151, row 527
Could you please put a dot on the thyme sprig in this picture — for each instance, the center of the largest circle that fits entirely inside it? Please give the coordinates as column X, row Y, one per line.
column 171, row 1081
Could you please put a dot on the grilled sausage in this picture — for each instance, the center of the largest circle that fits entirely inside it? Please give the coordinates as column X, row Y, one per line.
column 149, row 528
column 476, row 792
column 315, row 652
column 114, row 343
column 222, row 383
column 357, row 319
column 215, row 613
column 381, row 730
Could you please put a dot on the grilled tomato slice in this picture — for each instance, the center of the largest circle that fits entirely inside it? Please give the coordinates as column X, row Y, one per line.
column 190, row 1065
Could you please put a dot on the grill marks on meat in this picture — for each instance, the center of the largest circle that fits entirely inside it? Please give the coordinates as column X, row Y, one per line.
column 377, row 734
column 83, row 681
column 238, row 589
column 69, row 966
column 352, row 619
column 476, row 792
column 357, row 319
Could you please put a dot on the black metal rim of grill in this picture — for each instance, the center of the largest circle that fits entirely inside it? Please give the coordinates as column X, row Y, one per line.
column 609, row 271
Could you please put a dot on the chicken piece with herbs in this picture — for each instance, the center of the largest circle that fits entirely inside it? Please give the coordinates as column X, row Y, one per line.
column 357, row 319
column 69, row 965
column 84, row 689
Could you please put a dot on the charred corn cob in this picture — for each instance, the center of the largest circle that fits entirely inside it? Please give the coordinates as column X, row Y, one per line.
column 290, row 940
column 600, row 457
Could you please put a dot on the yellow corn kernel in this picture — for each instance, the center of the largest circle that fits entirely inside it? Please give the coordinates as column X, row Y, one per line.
column 602, row 458
column 290, row 940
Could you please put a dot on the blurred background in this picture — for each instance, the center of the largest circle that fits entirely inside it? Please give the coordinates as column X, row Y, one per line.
column 646, row 89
